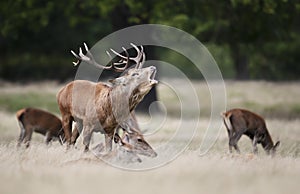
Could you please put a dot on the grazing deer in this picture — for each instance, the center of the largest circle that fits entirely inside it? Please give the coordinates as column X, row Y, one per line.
column 135, row 137
column 123, row 152
column 239, row 122
column 100, row 107
column 35, row 120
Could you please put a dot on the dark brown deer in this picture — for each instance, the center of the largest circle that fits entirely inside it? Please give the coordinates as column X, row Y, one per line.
column 239, row 122
column 35, row 120
column 100, row 107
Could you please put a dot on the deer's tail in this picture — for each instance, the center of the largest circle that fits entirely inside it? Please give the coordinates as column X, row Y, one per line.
column 20, row 116
column 226, row 118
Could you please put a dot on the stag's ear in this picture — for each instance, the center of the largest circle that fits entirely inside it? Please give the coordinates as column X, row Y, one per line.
column 276, row 144
column 117, row 81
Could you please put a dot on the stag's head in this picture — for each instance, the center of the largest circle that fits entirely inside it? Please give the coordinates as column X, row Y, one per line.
column 134, row 85
column 129, row 89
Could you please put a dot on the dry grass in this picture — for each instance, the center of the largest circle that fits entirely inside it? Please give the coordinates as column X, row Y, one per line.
column 42, row 169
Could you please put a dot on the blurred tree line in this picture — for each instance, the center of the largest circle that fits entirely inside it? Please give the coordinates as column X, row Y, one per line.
column 250, row 39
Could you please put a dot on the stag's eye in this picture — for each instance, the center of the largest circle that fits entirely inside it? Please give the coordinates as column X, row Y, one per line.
column 135, row 74
column 139, row 140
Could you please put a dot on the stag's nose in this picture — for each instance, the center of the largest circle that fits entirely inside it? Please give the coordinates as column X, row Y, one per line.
column 152, row 68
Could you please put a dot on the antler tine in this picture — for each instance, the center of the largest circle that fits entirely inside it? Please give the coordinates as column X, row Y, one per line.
column 143, row 57
column 143, row 61
column 137, row 59
column 78, row 61
column 123, row 61
column 118, row 54
column 89, row 58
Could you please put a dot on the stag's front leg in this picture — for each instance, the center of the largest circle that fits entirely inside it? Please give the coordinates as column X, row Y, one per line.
column 87, row 134
column 108, row 142
column 67, row 127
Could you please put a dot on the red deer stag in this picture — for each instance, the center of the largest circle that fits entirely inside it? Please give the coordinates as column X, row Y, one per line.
column 239, row 122
column 35, row 120
column 99, row 107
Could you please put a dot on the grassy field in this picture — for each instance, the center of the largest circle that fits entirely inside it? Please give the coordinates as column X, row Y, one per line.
column 42, row 169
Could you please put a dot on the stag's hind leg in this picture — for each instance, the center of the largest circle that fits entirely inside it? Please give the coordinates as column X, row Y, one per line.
column 76, row 132
column 67, row 126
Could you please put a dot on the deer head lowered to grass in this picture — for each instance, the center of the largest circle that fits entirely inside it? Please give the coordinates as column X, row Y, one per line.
column 239, row 122
column 124, row 152
column 100, row 107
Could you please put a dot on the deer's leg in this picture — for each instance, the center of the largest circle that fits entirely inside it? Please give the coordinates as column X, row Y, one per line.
column 27, row 138
column 254, row 144
column 22, row 136
column 87, row 134
column 67, row 126
column 229, row 137
column 76, row 132
column 234, row 139
column 108, row 142
column 48, row 137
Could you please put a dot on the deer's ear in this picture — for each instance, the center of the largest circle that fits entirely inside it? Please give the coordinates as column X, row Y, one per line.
column 126, row 138
column 116, row 81
column 117, row 139
column 276, row 144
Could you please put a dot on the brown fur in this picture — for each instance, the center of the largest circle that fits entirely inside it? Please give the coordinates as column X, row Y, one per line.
column 240, row 121
column 98, row 107
column 35, row 120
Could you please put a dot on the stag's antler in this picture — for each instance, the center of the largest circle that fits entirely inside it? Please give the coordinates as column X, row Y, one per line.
column 89, row 58
column 139, row 59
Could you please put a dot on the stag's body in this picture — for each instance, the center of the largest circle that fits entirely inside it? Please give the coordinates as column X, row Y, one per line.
column 102, row 108
column 240, row 121
column 35, row 120
column 77, row 102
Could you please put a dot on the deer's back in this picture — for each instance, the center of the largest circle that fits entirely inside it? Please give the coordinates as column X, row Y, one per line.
column 39, row 120
column 84, row 99
column 245, row 120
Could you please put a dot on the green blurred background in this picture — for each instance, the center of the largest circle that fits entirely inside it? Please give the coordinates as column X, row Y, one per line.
column 250, row 39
